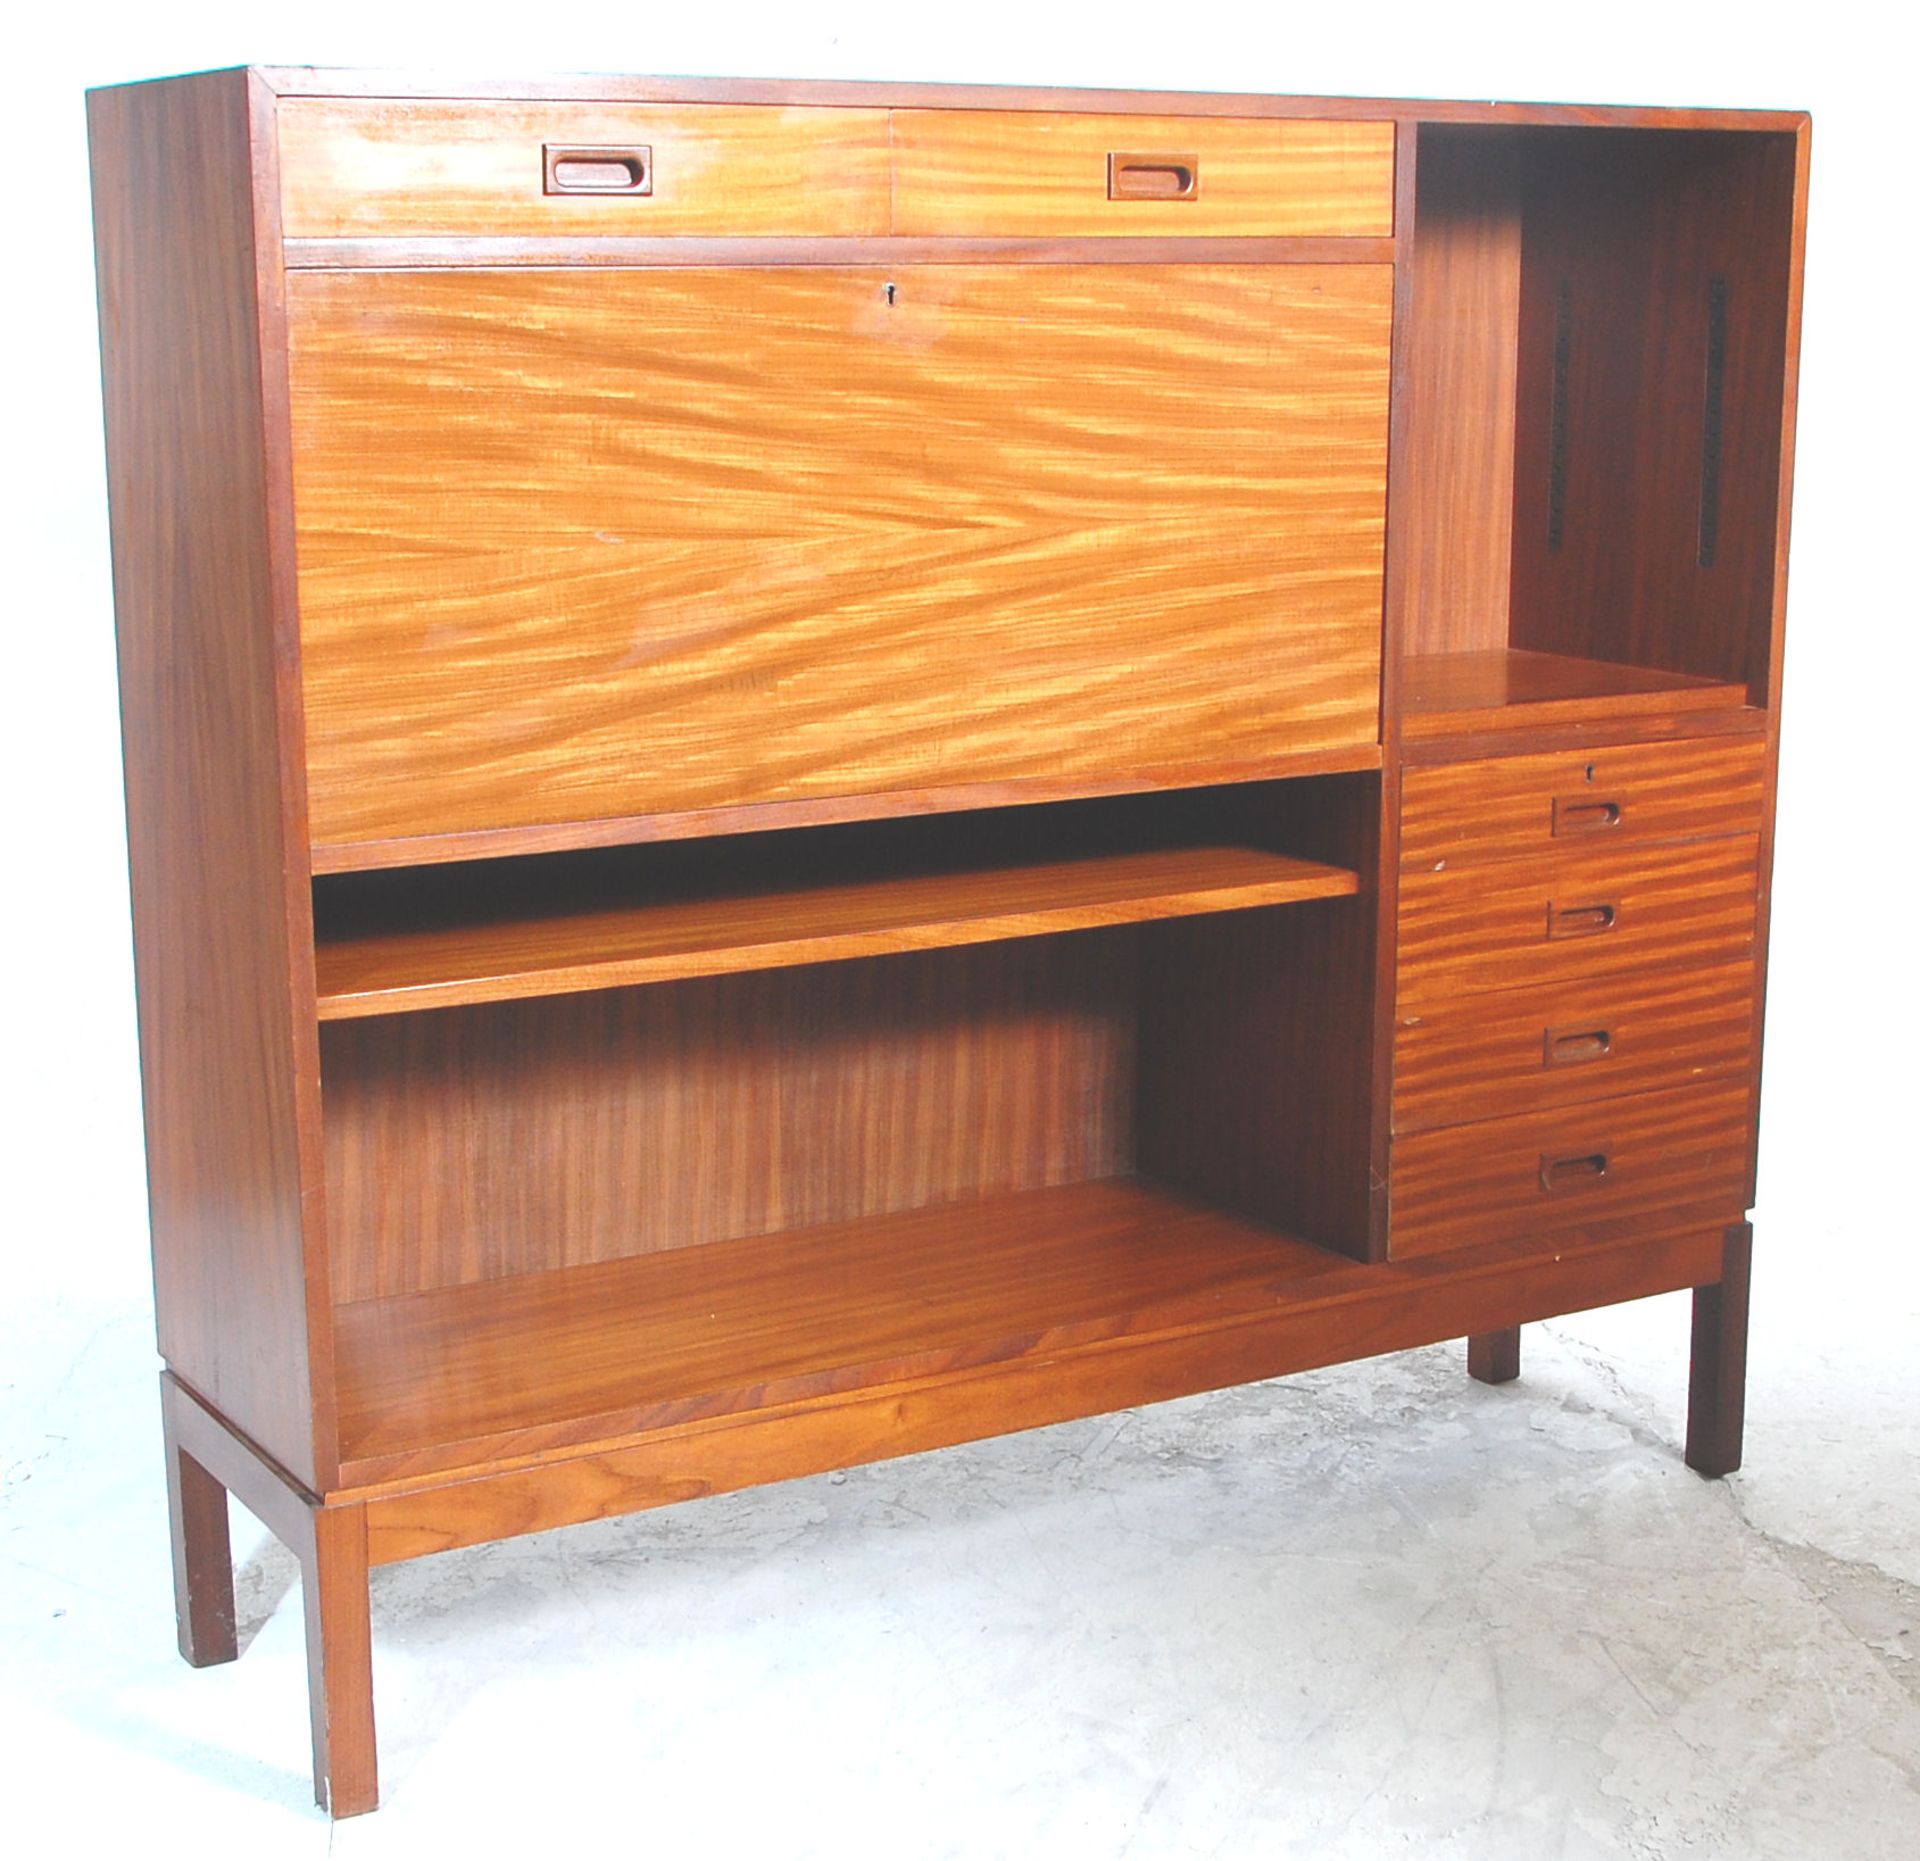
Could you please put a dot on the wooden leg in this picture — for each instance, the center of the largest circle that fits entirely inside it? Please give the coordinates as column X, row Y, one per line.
column 1717, row 1388
column 1494, row 1356
column 202, row 1554
column 346, row 1779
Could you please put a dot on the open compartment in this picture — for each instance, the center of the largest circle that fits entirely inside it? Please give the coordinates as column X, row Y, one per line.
column 1596, row 359
column 573, row 1215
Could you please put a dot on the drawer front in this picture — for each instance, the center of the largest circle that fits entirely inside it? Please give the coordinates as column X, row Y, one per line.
column 581, row 544
column 1464, row 814
column 1489, row 1056
column 1575, row 920
column 1021, row 174
column 1554, row 1172
column 361, row 169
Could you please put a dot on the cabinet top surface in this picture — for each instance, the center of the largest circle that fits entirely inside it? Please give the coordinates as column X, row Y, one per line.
column 314, row 81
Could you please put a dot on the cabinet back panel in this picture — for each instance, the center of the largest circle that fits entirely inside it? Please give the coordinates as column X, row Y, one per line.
column 763, row 535
column 472, row 1143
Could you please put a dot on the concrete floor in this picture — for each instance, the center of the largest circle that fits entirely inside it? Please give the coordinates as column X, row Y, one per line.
column 1378, row 1610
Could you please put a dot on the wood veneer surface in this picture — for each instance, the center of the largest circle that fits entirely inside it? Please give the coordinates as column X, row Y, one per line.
column 1453, row 502
column 1627, row 240
column 509, row 1365
column 1329, row 1316
column 757, row 536
column 211, row 727
column 1488, row 1056
column 322, row 81
column 1473, row 1183
column 1505, row 925
column 654, row 938
column 1024, row 176
column 1506, row 807
column 360, row 169
column 483, row 1141
column 1448, row 693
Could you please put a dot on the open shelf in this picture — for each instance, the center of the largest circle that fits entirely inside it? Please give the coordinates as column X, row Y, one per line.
column 1462, row 693
column 439, row 942
column 594, row 1353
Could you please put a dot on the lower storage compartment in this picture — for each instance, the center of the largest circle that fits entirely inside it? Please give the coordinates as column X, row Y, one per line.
column 1558, row 1171
column 549, row 1360
column 562, row 1219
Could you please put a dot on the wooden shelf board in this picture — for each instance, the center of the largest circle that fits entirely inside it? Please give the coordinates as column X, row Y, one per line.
column 1448, row 694
column 389, row 968
column 476, row 1373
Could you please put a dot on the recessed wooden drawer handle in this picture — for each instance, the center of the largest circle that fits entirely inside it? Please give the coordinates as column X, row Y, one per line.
column 571, row 169
column 1580, row 1171
column 1153, row 177
column 1576, row 814
column 1574, row 1046
column 1581, row 920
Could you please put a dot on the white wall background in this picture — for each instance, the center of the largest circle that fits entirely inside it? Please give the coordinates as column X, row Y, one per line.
column 1839, row 1105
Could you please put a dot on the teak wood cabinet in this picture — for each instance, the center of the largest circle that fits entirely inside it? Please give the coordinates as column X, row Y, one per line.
column 820, row 769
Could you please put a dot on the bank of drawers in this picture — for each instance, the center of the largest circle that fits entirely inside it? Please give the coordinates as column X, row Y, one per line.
column 1575, row 991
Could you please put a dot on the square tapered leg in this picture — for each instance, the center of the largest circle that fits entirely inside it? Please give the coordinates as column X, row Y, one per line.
column 202, row 1553
column 1717, row 1387
column 1494, row 1356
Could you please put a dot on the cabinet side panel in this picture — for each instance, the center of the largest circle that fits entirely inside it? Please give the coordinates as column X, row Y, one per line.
column 1454, row 509
column 223, row 950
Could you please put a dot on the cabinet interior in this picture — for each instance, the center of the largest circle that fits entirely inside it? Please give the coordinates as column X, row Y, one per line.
column 1597, row 354
column 1158, row 1109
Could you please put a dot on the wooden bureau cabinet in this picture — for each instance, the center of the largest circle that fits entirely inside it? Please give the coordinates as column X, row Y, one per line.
column 816, row 770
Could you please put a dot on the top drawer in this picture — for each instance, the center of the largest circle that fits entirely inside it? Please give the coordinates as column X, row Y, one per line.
column 1580, row 801
column 352, row 168
column 1023, row 174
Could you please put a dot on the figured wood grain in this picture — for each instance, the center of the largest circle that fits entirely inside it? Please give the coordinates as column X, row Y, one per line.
column 417, row 851
column 210, row 725
column 958, row 172
column 1502, row 807
column 428, row 251
column 394, row 167
column 477, row 1142
column 1487, row 1056
column 1453, row 501
column 1656, row 726
column 760, row 536
column 1483, row 1182
column 651, row 938
column 1449, row 693
column 1341, row 1312
column 1493, row 927
column 472, row 1373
